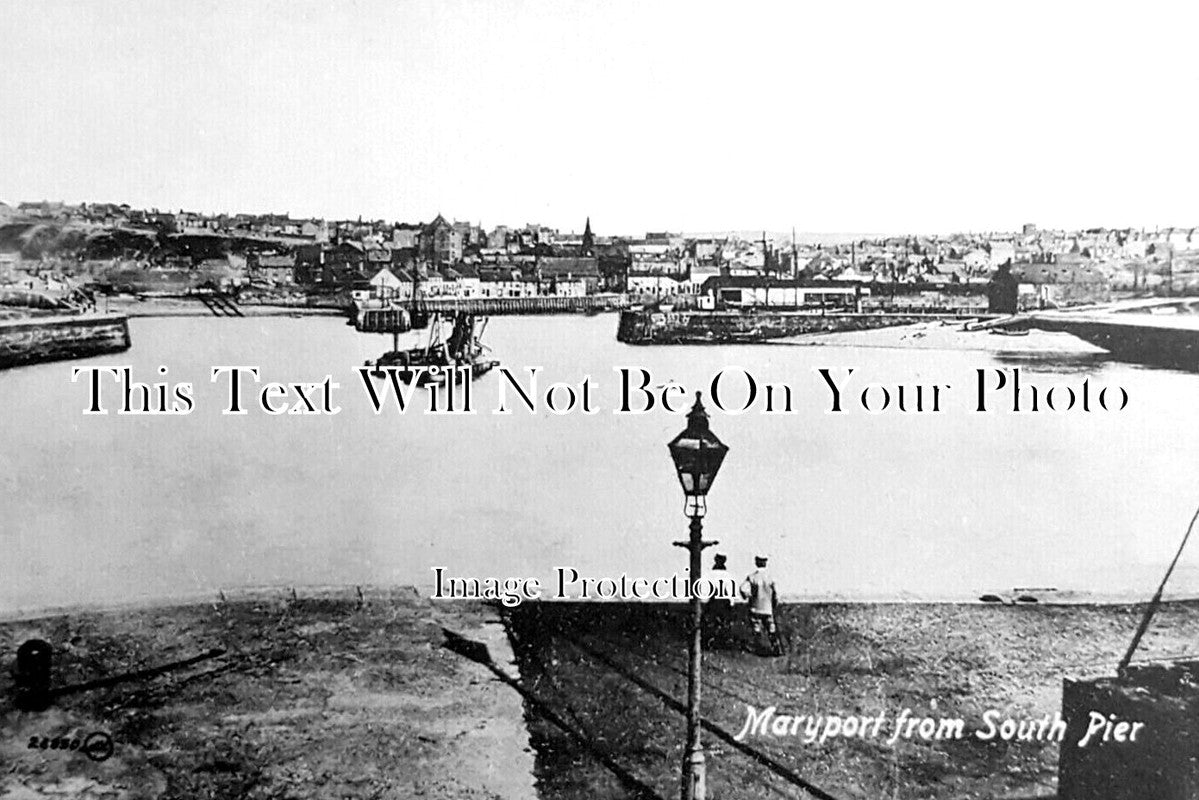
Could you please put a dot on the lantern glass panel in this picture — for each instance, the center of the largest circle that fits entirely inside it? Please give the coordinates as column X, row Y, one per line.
column 697, row 453
column 697, row 462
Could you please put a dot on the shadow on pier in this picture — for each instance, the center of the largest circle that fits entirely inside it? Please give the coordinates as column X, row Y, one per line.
column 607, row 720
column 615, row 676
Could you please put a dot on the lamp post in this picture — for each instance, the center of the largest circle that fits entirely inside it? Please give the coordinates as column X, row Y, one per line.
column 697, row 455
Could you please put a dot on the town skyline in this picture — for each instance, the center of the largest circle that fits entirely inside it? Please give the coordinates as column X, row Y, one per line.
column 13, row 211
column 280, row 258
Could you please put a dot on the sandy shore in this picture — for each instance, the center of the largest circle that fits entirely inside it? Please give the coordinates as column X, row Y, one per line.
column 949, row 336
column 339, row 697
column 177, row 307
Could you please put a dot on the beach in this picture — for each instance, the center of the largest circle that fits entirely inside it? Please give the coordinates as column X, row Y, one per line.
column 134, row 306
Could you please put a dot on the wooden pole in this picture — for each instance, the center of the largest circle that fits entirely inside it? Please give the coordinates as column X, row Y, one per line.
column 1156, row 601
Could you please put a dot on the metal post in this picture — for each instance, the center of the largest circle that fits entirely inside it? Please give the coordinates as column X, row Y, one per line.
column 1170, row 271
column 694, row 779
column 32, row 675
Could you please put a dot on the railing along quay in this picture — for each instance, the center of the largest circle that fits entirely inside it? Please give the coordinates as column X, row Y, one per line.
column 398, row 317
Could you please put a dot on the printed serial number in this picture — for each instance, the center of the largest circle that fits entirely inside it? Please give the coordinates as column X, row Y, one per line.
column 97, row 745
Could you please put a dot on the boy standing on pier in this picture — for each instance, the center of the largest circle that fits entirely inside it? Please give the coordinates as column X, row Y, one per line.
column 759, row 589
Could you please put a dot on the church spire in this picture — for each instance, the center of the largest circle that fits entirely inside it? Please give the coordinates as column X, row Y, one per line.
column 588, row 239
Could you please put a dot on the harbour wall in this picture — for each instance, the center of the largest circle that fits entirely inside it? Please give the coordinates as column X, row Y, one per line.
column 714, row 327
column 34, row 339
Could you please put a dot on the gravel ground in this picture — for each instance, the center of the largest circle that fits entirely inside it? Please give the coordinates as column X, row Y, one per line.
column 314, row 698
column 331, row 697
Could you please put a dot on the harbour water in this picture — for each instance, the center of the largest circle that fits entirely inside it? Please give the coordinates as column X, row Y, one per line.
column 107, row 509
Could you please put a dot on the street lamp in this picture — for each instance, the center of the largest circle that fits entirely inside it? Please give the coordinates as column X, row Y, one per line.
column 697, row 455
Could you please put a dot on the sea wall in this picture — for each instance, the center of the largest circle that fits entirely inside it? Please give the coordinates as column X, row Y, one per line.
column 31, row 340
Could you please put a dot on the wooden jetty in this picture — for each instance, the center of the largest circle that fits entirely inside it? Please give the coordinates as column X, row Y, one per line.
column 405, row 315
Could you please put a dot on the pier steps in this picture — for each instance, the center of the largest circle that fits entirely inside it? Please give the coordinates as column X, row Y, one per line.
column 220, row 305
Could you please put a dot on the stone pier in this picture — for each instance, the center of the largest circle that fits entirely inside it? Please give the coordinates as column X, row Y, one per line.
column 33, row 339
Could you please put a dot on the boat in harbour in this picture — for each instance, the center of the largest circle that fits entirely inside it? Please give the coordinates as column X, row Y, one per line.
column 443, row 358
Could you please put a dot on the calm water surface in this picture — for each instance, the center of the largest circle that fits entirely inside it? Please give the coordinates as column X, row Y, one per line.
column 103, row 509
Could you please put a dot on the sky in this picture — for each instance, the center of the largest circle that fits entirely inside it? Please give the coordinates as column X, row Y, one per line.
column 826, row 116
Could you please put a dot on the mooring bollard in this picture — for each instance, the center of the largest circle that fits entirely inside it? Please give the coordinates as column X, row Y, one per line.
column 32, row 675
